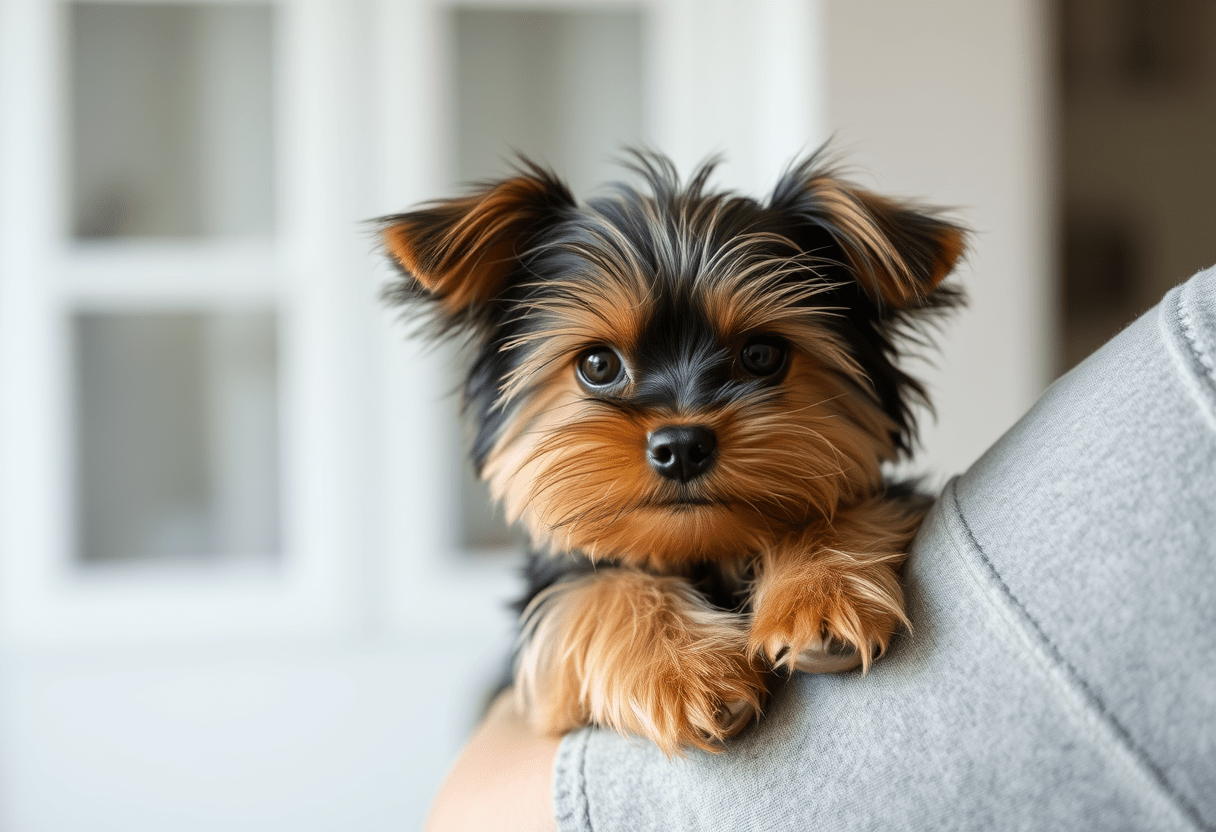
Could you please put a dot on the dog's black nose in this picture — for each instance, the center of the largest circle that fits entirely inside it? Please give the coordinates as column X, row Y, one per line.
column 682, row 452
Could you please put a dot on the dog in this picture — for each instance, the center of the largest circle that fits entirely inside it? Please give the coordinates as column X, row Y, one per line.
column 687, row 397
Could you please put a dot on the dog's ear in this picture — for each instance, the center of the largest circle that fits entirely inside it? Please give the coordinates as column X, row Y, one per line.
column 461, row 252
column 898, row 252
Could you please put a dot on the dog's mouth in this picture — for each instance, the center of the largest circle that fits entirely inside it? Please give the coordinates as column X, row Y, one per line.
column 688, row 503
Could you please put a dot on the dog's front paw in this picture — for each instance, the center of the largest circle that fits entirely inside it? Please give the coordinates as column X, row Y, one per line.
column 697, row 696
column 677, row 702
column 821, row 631
column 640, row 654
column 682, row 687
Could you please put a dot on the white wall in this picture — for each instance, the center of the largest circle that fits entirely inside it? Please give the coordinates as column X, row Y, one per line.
column 234, row 738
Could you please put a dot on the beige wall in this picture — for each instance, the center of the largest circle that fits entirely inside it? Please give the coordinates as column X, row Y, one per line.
column 947, row 101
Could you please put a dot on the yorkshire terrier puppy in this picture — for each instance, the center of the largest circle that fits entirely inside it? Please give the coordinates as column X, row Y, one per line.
column 687, row 396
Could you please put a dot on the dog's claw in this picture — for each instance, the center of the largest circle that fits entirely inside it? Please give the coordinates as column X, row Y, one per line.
column 734, row 716
column 827, row 656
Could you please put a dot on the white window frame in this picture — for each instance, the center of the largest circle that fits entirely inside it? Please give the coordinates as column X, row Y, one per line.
column 367, row 462
column 304, row 274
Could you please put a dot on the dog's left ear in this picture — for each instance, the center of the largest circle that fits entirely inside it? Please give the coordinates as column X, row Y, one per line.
column 898, row 252
column 461, row 252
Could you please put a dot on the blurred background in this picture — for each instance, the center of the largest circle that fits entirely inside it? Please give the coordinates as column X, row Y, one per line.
column 246, row 582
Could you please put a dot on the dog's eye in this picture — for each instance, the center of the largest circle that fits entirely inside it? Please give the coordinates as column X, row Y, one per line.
column 763, row 355
column 600, row 367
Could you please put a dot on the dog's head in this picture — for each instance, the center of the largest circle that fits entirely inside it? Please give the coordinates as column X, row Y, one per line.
column 673, row 374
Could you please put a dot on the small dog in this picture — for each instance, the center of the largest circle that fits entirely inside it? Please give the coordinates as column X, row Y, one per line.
column 686, row 397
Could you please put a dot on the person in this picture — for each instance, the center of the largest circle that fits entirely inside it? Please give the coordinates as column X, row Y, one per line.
column 1061, row 669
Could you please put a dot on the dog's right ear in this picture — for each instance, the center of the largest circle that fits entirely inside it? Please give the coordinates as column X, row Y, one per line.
column 462, row 252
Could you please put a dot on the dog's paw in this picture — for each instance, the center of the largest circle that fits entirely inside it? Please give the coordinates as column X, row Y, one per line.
column 697, row 697
column 734, row 716
column 642, row 655
column 827, row 656
column 693, row 694
column 686, row 704
column 820, row 634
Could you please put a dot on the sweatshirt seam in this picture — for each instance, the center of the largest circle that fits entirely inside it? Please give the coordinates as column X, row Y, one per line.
column 572, row 763
column 1071, row 677
column 1190, row 334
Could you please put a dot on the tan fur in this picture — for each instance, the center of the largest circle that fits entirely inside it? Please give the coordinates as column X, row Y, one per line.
column 905, row 286
column 639, row 653
column 834, row 581
column 601, row 306
column 469, row 260
column 868, row 223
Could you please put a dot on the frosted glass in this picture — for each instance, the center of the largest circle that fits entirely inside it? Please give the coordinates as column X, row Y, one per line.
column 177, row 436
column 171, row 113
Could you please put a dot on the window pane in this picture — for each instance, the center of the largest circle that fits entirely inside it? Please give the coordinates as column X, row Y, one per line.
column 171, row 109
column 177, row 443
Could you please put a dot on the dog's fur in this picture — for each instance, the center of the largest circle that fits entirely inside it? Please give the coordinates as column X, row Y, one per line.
column 659, row 605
